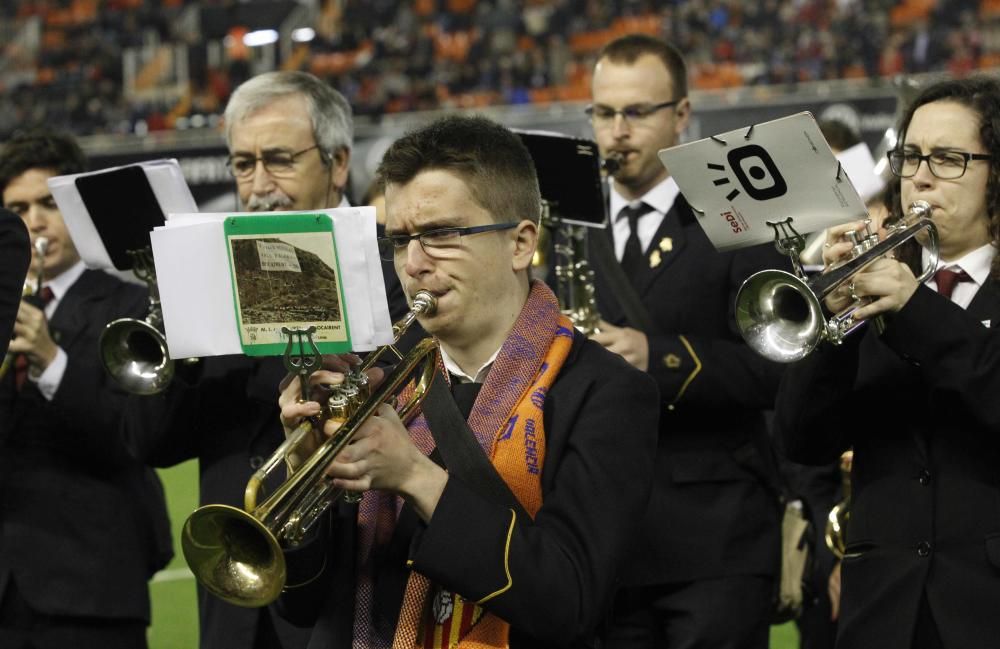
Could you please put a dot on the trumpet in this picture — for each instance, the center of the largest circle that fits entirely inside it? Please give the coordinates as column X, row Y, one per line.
column 134, row 352
column 41, row 246
column 780, row 315
column 236, row 553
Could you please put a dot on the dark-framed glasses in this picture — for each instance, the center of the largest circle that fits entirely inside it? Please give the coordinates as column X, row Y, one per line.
column 946, row 164
column 439, row 242
column 601, row 114
column 276, row 162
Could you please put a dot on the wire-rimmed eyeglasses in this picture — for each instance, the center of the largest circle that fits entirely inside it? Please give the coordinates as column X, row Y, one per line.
column 439, row 242
column 276, row 163
column 602, row 114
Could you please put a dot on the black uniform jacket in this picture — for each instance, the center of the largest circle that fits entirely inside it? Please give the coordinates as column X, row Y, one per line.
column 710, row 513
column 84, row 525
column 919, row 406
column 15, row 255
column 600, row 423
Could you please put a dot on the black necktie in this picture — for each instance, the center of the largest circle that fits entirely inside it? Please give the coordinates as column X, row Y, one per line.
column 632, row 259
column 947, row 279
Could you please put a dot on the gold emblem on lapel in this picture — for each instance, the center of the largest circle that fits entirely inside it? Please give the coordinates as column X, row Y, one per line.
column 672, row 361
column 654, row 259
column 666, row 244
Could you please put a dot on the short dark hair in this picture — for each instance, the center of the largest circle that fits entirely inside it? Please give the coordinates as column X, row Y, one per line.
column 839, row 135
column 630, row 47
column 56, row 152
column 981, row 95
column 491, row 159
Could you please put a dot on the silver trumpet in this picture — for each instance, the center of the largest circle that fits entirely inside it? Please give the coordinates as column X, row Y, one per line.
column 780, row 314
column 134, row 352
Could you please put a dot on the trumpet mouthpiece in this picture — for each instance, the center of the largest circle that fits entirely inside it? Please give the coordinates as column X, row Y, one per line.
column 41, row 246
column 920, row 209
column 424, row 303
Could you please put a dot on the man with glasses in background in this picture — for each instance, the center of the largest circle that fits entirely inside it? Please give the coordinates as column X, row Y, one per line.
column 289, row 136
column 702, row 571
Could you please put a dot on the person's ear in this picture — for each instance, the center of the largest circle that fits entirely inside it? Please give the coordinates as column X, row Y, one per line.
column 339, row 163
column 524, row 241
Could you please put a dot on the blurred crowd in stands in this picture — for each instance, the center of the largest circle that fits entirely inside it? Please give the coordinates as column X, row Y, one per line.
column 64, row 61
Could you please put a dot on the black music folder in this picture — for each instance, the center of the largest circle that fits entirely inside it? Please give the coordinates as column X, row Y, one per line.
column 124, row 210
column 569, row 175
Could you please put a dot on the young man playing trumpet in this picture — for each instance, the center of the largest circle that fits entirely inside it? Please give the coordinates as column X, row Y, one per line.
column 83, row 525
column 569, row 427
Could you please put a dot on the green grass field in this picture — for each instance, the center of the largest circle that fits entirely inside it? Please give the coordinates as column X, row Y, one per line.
column 175, row 616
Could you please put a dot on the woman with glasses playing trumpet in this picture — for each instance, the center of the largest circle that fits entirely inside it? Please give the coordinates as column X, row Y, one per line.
column 916, row 397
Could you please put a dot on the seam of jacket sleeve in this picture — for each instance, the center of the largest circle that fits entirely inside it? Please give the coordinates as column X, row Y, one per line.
column 319, row 572
column 506, row 562
column 694, row 372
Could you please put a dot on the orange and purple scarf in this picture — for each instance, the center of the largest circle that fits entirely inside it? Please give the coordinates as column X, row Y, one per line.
column 506, row 420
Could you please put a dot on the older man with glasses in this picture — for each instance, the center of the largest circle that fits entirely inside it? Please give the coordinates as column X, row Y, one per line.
column 289, row 137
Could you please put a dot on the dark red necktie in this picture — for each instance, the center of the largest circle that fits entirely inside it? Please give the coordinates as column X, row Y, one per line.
column 947, row 279
column 21, row 361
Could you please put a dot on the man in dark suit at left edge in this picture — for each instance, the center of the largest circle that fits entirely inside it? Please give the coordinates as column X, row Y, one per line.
column 83, row 525
column 15, row 255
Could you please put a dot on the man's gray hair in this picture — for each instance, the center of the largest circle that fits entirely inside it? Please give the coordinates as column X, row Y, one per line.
column 329, row 112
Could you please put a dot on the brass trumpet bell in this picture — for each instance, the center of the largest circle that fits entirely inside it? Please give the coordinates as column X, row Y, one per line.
column 235, row 555
column 135, row 354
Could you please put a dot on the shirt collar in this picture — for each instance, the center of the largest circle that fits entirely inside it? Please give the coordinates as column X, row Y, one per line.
column 457, row 371
column 661, row 198
column 976, row 263
column 60, row 285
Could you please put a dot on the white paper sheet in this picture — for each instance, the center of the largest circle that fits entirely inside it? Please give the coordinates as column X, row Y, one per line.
column 192, row 267
column 860, row 166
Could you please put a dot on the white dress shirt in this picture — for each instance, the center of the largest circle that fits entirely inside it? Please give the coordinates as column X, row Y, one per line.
column 661, row 198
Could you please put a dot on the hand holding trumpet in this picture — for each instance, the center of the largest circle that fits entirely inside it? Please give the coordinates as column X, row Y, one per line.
column 883, row 286
column 32, row 337
column 381, row 455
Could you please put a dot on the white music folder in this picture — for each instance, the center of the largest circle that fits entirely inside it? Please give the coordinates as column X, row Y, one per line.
column 196, row 293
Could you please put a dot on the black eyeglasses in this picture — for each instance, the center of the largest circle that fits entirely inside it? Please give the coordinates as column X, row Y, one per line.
column 602, row 114
column 277, row 163
column 946, row 165
column 439, row 242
